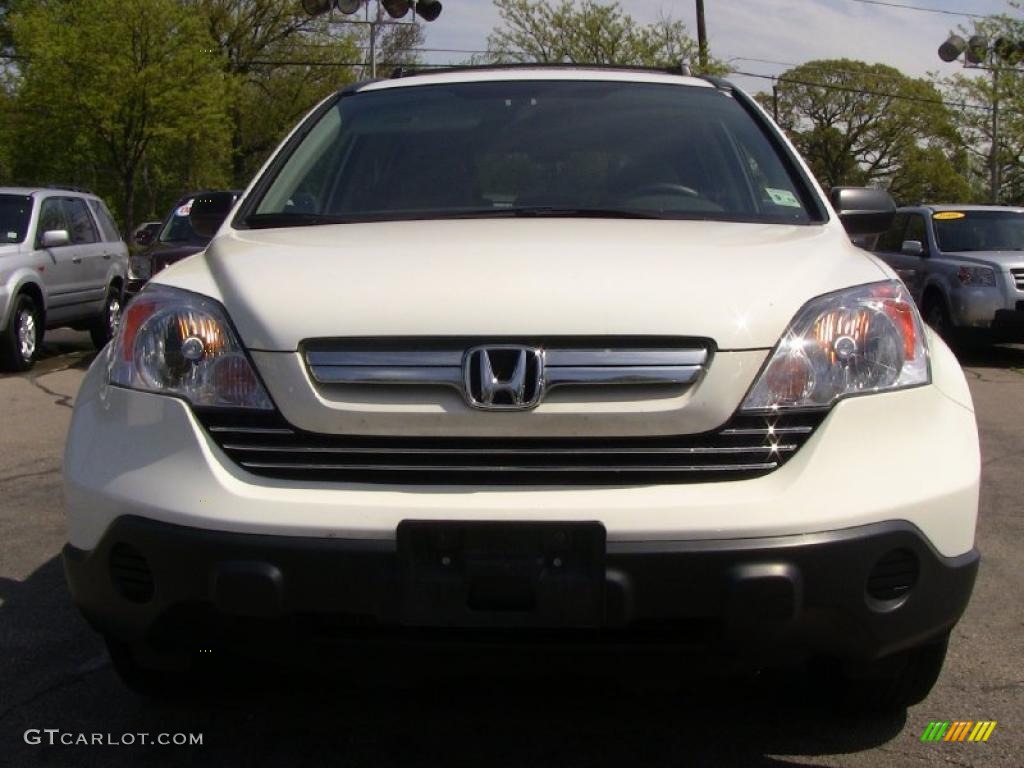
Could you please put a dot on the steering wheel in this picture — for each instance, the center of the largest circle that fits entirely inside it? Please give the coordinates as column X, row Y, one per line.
column 663, row 188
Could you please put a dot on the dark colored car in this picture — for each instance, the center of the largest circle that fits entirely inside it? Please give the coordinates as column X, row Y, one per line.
column 176, row 240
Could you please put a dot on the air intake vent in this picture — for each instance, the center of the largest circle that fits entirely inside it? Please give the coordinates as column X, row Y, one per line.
column 130, row 573
column 894, row 575
column 745, row 447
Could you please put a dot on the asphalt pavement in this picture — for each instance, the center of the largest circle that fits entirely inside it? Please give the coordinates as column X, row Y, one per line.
column 54, row 673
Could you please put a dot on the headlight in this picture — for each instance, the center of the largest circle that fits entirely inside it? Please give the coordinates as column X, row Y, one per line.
column 177, row 342
column 976, row 276
column 139, row 267
column 855, row 341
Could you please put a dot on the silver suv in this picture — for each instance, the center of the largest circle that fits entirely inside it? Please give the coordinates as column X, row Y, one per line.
column 62, row 262
column 964, row 265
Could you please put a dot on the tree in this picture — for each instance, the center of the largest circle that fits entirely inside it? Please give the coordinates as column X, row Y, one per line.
column 280, row 61
column 1000, row 84
column 588, row 33
column 859, row 123
column 107, row 86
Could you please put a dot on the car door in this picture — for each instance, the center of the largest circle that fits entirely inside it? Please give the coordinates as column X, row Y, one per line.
column 60, row 267
column 914, row 266
column 890, row 247
column 114, row 254
column 89, row 247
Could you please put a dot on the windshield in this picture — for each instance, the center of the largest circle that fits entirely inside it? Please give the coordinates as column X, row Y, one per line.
column 958, row 231
column 536, row 148
column 15, row 211
column 178, row 228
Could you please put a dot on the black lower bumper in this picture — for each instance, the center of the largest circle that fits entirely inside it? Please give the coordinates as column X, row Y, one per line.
column 860, row 592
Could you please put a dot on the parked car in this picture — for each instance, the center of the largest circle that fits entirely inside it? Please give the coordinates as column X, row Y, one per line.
column 145, row 233
column 481, row 351
column 62, row 262
column 174, row 240
column 964, row 265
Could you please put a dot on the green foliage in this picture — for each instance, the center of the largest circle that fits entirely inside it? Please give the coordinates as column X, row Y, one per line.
column 110, row 88
column 869, row 124
column 588, row 32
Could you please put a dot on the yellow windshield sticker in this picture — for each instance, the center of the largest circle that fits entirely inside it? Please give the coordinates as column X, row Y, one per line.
column 948, row 215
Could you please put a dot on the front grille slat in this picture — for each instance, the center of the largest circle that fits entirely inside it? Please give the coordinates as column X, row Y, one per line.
column 1018, row 278
column 746, row 446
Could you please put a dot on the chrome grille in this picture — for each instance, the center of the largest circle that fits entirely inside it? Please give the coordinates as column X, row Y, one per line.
column 442, row 364
column 1018, row 278
column 747, row 446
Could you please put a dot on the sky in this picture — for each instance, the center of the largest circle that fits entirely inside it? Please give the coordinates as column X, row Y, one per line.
column 784, row 31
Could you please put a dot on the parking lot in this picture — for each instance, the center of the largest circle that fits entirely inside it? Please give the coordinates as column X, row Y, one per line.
column 54, row 672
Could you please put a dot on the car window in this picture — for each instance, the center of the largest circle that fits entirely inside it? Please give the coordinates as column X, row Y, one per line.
column 178, row 226
column 15, row 212
column 892, row 239
column 486, row 147
column 52, row 216
column 985, row 230
column 82, row 229
column 915, row 231
column 106, row 221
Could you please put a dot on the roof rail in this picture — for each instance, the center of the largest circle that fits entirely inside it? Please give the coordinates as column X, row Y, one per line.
column 682, row 68
column 63, row 188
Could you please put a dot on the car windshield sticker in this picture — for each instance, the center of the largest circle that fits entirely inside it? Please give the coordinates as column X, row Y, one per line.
column 948, row 215
column 184, row 210
column 782, row 197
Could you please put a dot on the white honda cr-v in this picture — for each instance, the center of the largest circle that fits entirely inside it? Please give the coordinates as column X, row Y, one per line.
column 561, row 352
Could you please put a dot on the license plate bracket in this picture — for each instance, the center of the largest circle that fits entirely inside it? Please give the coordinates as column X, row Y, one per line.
column 502, row 574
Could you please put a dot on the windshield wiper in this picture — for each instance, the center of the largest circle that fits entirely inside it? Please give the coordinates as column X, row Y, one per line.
column 292, row 219
column 543, row 211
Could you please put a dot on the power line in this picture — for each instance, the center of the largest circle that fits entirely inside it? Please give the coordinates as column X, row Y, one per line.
column 864, row 91
column 923, row 9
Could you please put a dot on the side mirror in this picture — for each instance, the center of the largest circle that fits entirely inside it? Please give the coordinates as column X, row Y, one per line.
column 912, row 248
column 209, row 210
column 55, row 238
column 143, row 237
column 863, row 210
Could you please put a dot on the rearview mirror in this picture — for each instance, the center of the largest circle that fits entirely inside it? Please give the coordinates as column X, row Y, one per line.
column 912, row 248
column 863, row 210
column 209, row 210
column 55, row 238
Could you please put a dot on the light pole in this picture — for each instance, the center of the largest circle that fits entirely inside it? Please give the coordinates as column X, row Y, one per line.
column 979, row 54
column 374, row 16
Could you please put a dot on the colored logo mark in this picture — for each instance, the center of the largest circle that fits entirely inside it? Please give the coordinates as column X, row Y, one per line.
column 959, row 730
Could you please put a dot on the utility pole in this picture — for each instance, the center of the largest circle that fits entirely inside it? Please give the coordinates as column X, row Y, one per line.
column 702, row 37
column 994, row 168
column 775, row 100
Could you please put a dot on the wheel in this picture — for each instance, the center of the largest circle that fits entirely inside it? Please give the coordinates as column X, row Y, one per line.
column 103, row 328
column 179, row 682
column 890, row 683
column 21, row 341
column 936, row 315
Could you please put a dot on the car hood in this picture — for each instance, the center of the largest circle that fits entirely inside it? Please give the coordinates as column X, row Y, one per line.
column 738, row 284
column 168, row 253
column 998, row 258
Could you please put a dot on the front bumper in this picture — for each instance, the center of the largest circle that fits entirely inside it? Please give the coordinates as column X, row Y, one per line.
column 756, row 598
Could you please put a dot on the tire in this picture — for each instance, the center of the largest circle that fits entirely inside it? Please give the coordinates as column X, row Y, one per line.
column 103, row 328
column 22, row 339
column 181, row 682
column 891, row 683
column 935, row 314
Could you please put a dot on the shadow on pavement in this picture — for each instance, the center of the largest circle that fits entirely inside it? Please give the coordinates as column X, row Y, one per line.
column 54, row 674
column 990, row 355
